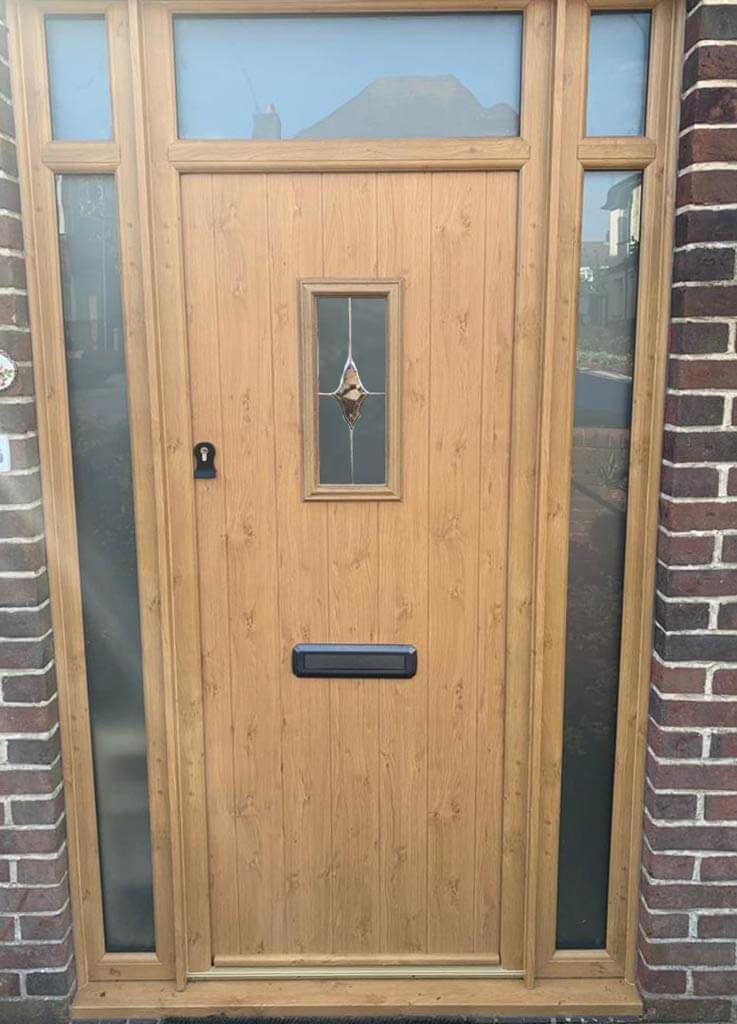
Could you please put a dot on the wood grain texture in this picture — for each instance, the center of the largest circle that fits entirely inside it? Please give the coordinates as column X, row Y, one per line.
column 247, row 473
column 458, row 211
column 506, row 998
column 353, row 786
column 176, row 508
column 295, row 239
column 198, row 238
column 349, row 215
column 195, row 156
column 402, row 555
column 39, row 203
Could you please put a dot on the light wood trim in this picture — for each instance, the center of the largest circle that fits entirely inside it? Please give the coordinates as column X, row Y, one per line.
column 581, row 963
column 139, row 378
column 338, row 6
column 386, row 998
column 178, row 519
column 347, row 971
column 81, row 157
column 313, row 490
column 622, row 5
column 70, row 6
column 396, row 959
column 39, row 202
column 631, row 154
column 563, row 114
column 618, row 957
column 150, row 312
column 555, row 453
column 196, row 157
column 520, row 769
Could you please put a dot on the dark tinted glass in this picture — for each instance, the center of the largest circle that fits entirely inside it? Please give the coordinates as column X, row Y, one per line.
column 335, row 444
column 601, row 439
column 332, row 340
column 101, row 455
column 619, row 43
column 369, row 340
column 369, row 442
column 351, row 359
column 356, row 76
column 79, row 86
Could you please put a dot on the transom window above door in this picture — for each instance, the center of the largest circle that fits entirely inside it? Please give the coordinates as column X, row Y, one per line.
column 396, row 76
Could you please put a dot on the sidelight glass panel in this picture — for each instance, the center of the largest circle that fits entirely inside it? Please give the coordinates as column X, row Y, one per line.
column 605, row 347
column 348, row 76
column 101, row 456
column 619, row 42
column 351, row 346
column 79, row 86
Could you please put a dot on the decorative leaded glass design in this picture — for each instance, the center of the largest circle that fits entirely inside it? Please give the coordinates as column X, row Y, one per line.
column 351, row 392
column 353, row 451
column 351, row 360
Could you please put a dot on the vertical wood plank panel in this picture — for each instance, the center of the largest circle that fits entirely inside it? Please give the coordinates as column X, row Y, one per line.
column 521, row 778
column 499, row 291
column 458, row 214
column 349, row 249
column 404, row 251
column 295, row 239
column 247, row 470
column 203, row 336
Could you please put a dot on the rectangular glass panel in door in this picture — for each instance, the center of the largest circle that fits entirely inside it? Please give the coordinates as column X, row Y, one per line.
column 619, row 42
column 101, row 457
column 605, row 346
column 348, row 76
column 79, row 86
column 351, row 349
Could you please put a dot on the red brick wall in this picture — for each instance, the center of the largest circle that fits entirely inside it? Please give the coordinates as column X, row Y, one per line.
column 35, row 938
column 688, row 962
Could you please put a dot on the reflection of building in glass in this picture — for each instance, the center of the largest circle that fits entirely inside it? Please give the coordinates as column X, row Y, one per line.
column 414, row 107
column 88, row 242
column 608, row 282
column 267, row 125
column 403, row 107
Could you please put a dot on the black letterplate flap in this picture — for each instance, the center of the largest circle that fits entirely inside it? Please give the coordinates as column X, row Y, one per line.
column 354, row 661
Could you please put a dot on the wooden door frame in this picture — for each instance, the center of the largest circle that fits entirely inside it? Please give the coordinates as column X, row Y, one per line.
column 550, row 156
column 169, row 158
column 40, row 159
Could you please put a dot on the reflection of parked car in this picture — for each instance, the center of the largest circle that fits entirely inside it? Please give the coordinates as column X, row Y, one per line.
column 603, row 399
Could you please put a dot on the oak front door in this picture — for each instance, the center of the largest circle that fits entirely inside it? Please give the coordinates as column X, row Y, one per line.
column 353, row 818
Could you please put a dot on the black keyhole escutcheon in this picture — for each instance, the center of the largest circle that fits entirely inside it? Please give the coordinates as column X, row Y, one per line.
column 204, row 461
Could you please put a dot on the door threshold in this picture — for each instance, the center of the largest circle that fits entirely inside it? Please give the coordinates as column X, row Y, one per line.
column 365, row 997
column 348, row 971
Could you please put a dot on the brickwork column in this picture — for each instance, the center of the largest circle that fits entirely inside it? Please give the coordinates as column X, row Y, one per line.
column 688, row 939
column 36, row 972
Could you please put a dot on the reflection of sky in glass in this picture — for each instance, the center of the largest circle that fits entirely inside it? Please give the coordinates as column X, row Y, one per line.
column 595, row 225
column 229, row 68
column 618, row 59
column 78, row 77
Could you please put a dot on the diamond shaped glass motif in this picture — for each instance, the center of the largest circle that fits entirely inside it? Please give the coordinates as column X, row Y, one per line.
column 350, row 394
